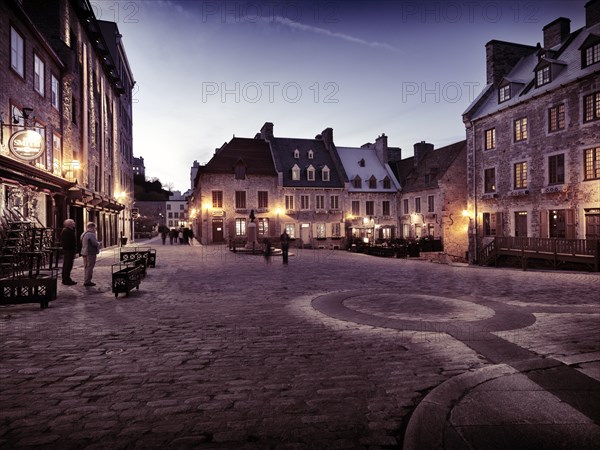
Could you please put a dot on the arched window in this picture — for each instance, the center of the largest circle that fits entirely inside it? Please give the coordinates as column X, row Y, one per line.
column 325, row 173
column 310, row 173
column 310, row 154
column 296, row 154
column 357, row 182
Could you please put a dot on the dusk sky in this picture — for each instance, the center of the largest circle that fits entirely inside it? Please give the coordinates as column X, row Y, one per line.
column 208, row 70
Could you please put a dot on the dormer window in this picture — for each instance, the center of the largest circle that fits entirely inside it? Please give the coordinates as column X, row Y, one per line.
column 387, row 183
column 296, row 154
column 325, row 174
column 592, row 54
column 296, row 172
column 372, row 182
column 361, row 163
column 310, row 173
column 590, row 51
column 504, row 93
column 310, row 154
column 357, row 182
column 542, row 76
column 240, row 170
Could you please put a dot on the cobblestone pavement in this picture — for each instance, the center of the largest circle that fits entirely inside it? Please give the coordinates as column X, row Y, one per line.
column 222, row 350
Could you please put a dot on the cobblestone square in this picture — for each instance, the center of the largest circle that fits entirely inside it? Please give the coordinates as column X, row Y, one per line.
column 223, row 350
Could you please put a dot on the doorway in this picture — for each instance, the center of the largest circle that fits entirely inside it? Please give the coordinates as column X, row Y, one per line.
column 521, row 224
column 217, row 230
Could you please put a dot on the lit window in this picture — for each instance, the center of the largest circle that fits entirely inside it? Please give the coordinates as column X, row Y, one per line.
column 321, row 231
column 240, row 227
column 17, row 53
column 38, row 75
column 336, row 230
column 592, row 55
column 521, row 129
column 504, row 93
column 263, row 226
column 556, row 118
column 591, row 161
column 556, row 169
column 542, row 76
column 490, row 138
column 290, row 228
column 520, row 180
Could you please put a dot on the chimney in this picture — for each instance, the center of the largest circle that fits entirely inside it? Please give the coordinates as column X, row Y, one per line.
column 381, row 148
column 501, row 57
column 266, row 132
column 327, row 136
column 421, row 149
column 592, row 13
column 557, row 32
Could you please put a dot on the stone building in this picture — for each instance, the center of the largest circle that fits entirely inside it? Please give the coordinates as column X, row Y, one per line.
column 65, row 75
column 310, row 188
column 370, row 194
column 434, row 195
column 239, row 178
column 533, row 138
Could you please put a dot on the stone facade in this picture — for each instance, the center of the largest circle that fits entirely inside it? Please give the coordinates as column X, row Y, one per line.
column 85, row 106
column 534, row 156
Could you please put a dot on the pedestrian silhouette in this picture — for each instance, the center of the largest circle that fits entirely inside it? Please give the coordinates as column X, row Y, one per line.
column 285, row 245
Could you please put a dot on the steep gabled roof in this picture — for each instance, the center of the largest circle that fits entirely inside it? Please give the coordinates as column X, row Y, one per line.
column 284, row 149
column 254, row 154
column 433, row 165
column 363, row 162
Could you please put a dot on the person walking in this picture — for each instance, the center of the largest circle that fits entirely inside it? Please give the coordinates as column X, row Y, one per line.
column 90, row 247
column 267, row 244
column 163, row 236
column 69, row 248
column 285, row 245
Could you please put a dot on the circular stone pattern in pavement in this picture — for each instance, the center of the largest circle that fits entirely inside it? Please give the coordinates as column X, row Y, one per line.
column 422, row 312
column 417, row 307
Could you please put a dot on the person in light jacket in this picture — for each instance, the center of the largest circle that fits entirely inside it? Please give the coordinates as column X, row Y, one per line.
column 90, row 247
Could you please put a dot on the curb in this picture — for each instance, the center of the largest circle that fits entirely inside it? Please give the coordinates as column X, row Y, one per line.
column 429, row 427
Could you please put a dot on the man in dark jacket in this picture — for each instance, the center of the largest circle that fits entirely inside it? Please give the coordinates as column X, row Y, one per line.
column 69, row 247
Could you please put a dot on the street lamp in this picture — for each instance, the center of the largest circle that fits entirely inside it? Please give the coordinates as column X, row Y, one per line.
column 121, row 196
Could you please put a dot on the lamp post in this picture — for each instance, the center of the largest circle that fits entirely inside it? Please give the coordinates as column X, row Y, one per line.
column 121, row 198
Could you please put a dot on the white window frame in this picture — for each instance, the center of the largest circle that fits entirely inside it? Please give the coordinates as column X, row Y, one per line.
column 334, row 201
column 310, row 173
column 17, row 52
column 295, row 173
column 55, row 87
column 39, row 75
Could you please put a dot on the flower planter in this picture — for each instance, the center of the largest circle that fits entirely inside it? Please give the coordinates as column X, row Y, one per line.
column 125, row 278
column 41, row 289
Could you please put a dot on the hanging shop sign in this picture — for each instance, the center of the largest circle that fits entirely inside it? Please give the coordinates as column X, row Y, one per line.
column 26, row 145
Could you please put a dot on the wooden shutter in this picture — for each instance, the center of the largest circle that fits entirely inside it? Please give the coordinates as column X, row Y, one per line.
column 570, row 225
column 543, row 223
column 499, row 224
